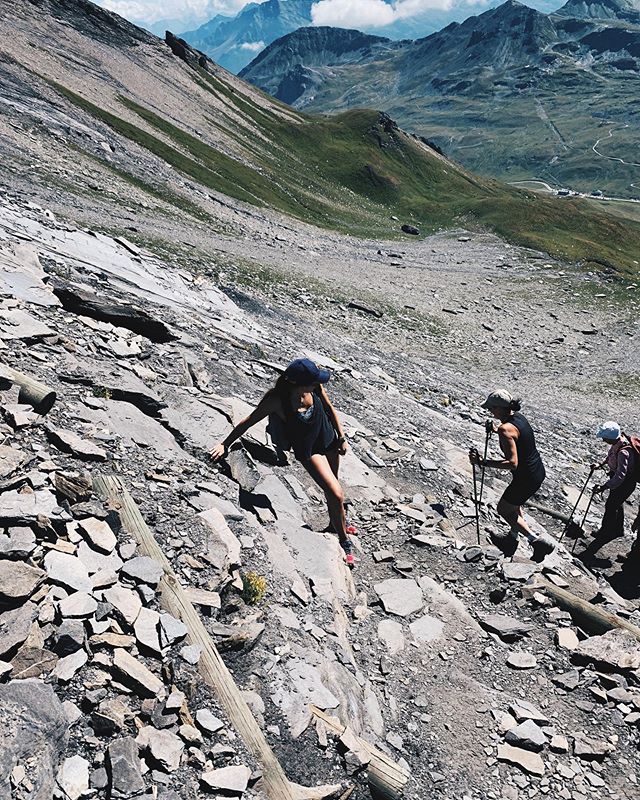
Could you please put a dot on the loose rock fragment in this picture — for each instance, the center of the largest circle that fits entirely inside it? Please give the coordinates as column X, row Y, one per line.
column 73, row 777
column 144, row 569
column 125, row 775
column 525, row 759
column 68, row 571
column 228, row 779
column 18, row 581
column 527, row 735
column 133, row 671
column 400, row 596
column 70, row 442
column 165, row 747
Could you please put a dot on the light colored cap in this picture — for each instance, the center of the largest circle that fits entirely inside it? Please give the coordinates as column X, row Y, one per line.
column 500, row 398
column 609, row 430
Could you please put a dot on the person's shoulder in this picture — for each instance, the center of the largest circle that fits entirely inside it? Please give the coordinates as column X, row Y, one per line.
column 507, row 429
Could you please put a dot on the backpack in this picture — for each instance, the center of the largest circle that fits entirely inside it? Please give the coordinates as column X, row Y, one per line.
column 634, row 446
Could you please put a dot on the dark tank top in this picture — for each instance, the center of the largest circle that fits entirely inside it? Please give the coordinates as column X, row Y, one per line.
column 530, row 464
column 308, row 433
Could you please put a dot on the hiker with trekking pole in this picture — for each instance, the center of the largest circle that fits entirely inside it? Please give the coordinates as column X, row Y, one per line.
column 623, row 466
column 521, row 457
column 302, row 418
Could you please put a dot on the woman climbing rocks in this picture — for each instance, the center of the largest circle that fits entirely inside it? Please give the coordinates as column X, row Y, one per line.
column 622, row 467
column 521, row 457
column 300, row 406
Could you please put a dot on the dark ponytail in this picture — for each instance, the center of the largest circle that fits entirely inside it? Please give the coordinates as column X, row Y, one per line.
column 515, row 404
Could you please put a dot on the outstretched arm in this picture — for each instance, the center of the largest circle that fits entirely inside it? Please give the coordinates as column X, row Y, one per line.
column 266, row 406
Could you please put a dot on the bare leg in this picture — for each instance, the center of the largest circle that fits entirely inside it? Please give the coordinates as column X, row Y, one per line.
column 514, row 516
column 333, row 457
column 320, row 469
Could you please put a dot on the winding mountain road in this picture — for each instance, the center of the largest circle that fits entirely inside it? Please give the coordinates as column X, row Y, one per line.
column 612, row 158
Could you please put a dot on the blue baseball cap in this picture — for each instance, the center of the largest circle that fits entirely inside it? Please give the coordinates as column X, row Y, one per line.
column 303, row 372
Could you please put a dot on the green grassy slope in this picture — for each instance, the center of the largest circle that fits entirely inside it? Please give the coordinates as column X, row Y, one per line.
column 353, row 171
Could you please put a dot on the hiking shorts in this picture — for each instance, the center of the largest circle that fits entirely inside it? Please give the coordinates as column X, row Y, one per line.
column 522, row 488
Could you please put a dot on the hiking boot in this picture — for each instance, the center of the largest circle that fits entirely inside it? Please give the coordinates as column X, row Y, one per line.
column 506, row 544
column 541, row 548
column 349, row 559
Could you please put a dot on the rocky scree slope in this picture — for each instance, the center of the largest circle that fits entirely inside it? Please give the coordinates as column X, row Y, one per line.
column 440, row 652
column 513, row 93
column 171, row 128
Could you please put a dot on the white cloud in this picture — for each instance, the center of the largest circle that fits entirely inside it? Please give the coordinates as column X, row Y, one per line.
column 151, row 11
column 371, row 13
column 252, row 47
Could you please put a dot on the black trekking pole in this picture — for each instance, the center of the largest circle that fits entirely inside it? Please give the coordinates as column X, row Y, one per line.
column 475, row 497
column 570, row 521
column 484, row 461
column 584, row 518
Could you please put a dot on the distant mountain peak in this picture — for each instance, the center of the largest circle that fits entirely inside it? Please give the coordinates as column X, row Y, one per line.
column 626, row 10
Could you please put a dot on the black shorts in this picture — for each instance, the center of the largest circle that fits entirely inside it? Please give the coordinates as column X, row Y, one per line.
column 321, row 449
column 521, row 489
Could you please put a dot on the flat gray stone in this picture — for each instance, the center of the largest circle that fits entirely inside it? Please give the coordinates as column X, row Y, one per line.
column 78, row 605
column 591, row 749
column 144, row 569
column 18, row 508
column 527, row 735
column 68, row 571
column 426, row 629
column 529, row 762
column 507, row 628
column 172, row 630
column 67, row 666
column 228, row 779
column 147, row 630
column 523, row 710
column 18, row 545
column 18, row 581
column 73, row 777
column 520, row 660
column 616, row 650
column 99, row 534
column 134, row 672
column 14, row 627
column 223, row 547
column 124, row 768
column 400, row 596
column 70, row 442
column 517, row 571
column 207, row 721
column 95, row 561
column 164, row 747
column 126, row 601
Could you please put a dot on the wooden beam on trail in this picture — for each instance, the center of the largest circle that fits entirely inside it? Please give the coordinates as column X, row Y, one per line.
column 32, row 393
column 387, row 779
column 174, row 599
column 588, row 615
column 550, row 512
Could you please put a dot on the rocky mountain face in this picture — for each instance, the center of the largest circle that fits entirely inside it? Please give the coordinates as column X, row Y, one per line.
column 624, row 10
column 512, row 92
column 172, row 627
column 233, row 42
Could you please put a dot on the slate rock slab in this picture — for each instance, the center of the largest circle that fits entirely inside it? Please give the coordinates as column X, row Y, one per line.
column 33, row 721
column 68, row 571
column 529, row 762
column 507, row 628
column 400, row 596
column 18, row 581
column 70, row 442
column 527, row 735
column 14, row 627
column 616, row 650
column 23, row 508
column 233, row 779
column 124, row 769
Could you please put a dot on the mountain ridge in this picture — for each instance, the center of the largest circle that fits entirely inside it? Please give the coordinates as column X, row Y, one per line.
column 512, row 92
